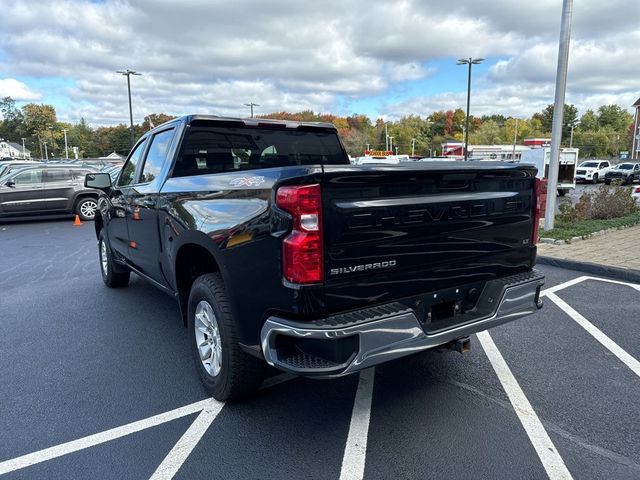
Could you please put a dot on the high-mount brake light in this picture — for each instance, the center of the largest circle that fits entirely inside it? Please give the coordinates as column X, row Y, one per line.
column 302, row 249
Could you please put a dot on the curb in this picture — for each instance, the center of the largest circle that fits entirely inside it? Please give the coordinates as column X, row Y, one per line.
column 624, row 274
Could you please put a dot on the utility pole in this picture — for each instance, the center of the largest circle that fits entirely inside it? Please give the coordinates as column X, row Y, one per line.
column 52, row 141
column 571, row 137
column 127, row 73
column 251, row 105
column 66, row 148
column 40, row 143
column 413, row 147
column 24, row 151
column 515, row 139
column 390, row 144
column 468, row 61
column 558, row 112
column 386, row 136
column 46, row 154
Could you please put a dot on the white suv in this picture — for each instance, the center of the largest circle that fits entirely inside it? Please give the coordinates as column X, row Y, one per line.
column 592, row 171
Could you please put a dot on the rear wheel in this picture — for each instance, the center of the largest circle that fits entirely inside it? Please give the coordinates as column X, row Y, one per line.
column 86, row 208
column 113, row 274
column 227, row 372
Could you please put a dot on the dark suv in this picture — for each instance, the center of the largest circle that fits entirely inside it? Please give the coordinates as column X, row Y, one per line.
column 45, row 189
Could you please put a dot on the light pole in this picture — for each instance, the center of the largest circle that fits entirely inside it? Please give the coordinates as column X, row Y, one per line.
column 391, row 145
column 46, row 154
column 251, row 105
column 468, row 61
column 515, row 139
column 52, row 141
column 66, row 148
column 24, row 151
column 127, row 73
column 558, row 112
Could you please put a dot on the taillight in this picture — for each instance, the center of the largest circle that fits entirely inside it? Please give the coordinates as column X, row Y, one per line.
column 536, row 210
column 637, row 189
column 302, row 249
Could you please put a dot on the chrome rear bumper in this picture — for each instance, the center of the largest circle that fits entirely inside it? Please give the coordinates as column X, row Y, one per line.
column 380, row 334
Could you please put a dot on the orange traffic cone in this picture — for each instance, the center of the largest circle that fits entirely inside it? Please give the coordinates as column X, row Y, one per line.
column 77, row 221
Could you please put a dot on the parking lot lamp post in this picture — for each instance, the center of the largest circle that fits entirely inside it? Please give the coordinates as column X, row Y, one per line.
column 128, row 74
column 468, row 61
column 46, row 154
column 52, row 141
column 558, row 112
column 251, row 105
column 24, row 154
column 66, row 148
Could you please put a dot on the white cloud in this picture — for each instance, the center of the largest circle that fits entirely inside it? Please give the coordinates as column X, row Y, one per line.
column 10, row 87
column 198, row 55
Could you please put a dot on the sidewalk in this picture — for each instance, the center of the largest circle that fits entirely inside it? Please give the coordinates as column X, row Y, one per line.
column 618, row 249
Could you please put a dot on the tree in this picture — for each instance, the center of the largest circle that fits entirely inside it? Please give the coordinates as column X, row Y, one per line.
column 614, row 116
column 570, row 119
column 489, row 133
column 589, row 121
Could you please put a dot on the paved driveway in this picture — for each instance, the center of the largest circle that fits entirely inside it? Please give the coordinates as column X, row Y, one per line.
column 99, row 383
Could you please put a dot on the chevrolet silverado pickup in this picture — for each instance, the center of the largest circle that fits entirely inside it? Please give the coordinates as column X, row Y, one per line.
column 280, row 252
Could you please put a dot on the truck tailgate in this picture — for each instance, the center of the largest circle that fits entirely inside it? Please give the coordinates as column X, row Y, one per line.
column 393, row 231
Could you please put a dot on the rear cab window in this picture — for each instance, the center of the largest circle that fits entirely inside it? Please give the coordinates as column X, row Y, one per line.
column 209, row 147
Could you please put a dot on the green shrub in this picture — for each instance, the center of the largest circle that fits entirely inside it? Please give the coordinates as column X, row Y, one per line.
column 605, row 203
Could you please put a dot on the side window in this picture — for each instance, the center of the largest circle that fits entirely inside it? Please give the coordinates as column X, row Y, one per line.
column 156, row 155
column 129, row 169
column 28, row 178
column 57, row 175
column 604, row 165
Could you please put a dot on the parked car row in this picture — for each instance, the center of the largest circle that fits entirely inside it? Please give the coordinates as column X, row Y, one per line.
column 41, row 189
column 626, row 172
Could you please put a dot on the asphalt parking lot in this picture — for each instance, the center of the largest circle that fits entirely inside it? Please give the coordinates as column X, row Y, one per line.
column 99, row 383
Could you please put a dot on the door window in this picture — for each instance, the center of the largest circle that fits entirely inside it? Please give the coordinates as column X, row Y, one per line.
column 129, row 169
column 29, row 177
column 156, row 155
column 605, row 164
column 57, row 175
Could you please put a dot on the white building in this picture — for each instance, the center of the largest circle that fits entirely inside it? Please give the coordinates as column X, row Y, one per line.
column 12, row 150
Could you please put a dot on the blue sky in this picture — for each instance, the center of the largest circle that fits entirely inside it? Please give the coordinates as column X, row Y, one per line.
column 331, row 57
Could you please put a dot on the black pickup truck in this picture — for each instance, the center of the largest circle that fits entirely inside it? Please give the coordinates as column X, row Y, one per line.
column 280, row 252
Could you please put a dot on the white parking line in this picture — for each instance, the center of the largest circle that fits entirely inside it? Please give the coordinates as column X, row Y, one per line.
column 616, row 282
column 546, row 450
column 564, row 285
column 181, row 450
column 355, row 451
column 98, row 438
column 609, row 344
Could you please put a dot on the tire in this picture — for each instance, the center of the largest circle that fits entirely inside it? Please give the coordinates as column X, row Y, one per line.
column 86, row 208
column 595, row 179
column 562, row 193
column 607, row 182
column 231, row 373
column 113, row 274
column 629, row 180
